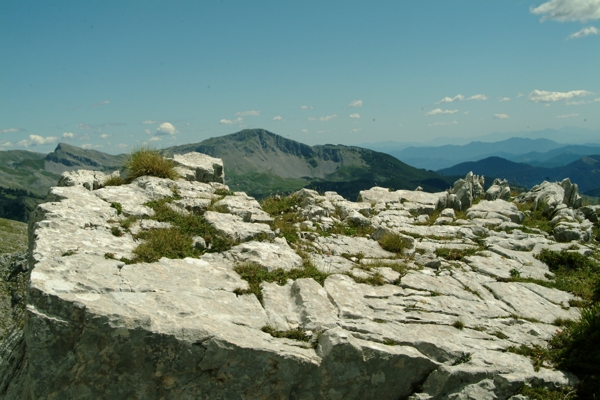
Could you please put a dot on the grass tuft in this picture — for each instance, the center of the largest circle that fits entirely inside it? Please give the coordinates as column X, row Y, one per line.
column 393, row 242
column 149, row 162
column 455, row 254
column 170, row 243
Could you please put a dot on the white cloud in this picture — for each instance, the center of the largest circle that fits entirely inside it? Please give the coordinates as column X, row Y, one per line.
column 68, row 135
column 105, row 135
column 90, row 146
column 356, row 130
column 443, row 123
column 251, row 113
column 11, row 130
column 505, row 99
column 304, row 131
column 356, row 103
column 590, row 30
column 568, row 10
column 155, row 139
column 519, row 95
column 500, row 116
column 458, row 97
column 478, row 97
column 150, row 121
column 122, row 145
column 229, row 121
column 543, row 96
column 35, row 140
column 306, row 107
column 355, row 115
column 278, row 118
column 575, row 103
column 567, row 116
column 102, row 103
column 166, row 128
column 440, row 111
column 83, row 126
column 326, row 118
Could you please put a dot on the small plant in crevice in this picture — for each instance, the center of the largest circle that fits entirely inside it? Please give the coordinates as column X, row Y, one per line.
column 118, row 207
column 375, row 280
column 499, row 335
column 295, row 334
column 169, row 242
column 69, row 253
column 116, row 231
column 452, row 254
column 515, row 273
column 390, row 342
column 458, row 324
column 464, row 358
column 284, row 211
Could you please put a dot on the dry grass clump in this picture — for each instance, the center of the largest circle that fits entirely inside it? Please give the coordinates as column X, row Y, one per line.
column 393, row 242
column 146, row 161
column 170, row 243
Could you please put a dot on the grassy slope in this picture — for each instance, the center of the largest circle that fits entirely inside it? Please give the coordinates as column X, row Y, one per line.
column 13, row 236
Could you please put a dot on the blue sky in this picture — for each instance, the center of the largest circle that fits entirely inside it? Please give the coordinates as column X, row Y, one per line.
column 113, row 75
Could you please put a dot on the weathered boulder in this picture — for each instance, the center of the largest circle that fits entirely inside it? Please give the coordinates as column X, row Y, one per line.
column 549, row 195
column 199, row 167
column 91, row 180
column 466, row 190
column 499, row 190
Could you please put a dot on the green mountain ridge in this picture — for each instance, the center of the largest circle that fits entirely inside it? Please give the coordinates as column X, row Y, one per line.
column 256, row 161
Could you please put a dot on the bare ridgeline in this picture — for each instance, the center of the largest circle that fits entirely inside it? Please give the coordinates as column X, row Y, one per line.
column 406, row 322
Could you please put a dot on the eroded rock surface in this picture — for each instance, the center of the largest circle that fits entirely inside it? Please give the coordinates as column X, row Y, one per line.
column 410, row 323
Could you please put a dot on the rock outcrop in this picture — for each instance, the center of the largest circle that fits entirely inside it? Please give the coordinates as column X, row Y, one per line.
column 385, row 315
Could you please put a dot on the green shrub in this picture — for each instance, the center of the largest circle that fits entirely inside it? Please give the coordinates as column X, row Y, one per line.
column 170, row 243
column 295, row 334
column 118, row 207
column 146, row 161
column 114, row 181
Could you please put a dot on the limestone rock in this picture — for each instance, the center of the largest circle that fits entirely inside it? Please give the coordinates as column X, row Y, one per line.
column 466, row 191
column 235, row 228
column 499, row 190
column 199, row 167
column 91, row 180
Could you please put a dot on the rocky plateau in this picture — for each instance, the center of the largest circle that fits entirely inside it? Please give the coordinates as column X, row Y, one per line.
column 382, row 323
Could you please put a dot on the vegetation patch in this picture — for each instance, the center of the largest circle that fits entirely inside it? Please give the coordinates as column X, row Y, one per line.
column 69, row 253
column 170, row 243
column 114, row 181
column 452, row 254
column 294, row 334
column 13, row 236
column 375, row 279
column 284, row 211
column 393, row 242
column 118, row 207
column 542, row 393
column 149, row 162
column 465, row 358
column 349, row 229
column 458, row 324
column 534, row 218
column 256, row 274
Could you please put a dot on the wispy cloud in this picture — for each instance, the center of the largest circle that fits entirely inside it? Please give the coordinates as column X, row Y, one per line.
column 505, row 99
column 325, row 118
column 36, row 140
column 150, row 121
column 166, row 128
column 155, row 139
column 229, row 121
column 68, row 135
column 278, row 118
column 567, row 116
column 251, row 113
column 90, row 146
column 356, row 103
column 306, row 107
column 590, row 30
column 519, row 95
column 440, row 111
column 105, row 136
column 460, row 97
column 542, row 96
column 356, row 130
column 575, row 103
column 102, row 103
column 11, row 130
column 568, row 10
column 500, row 116
column 355, row 115
column 443, row 123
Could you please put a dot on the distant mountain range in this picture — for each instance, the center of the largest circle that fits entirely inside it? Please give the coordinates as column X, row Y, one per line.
column 261, row 163
column 585, row 172
column 256, row 161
